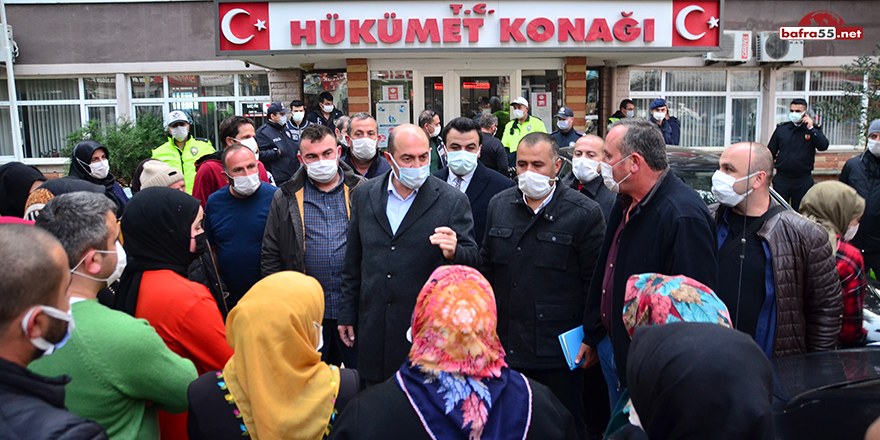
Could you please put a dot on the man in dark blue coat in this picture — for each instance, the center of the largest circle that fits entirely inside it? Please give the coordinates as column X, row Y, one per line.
column 403, row 225
column 277, row 149
column 463, row 139
column 658, row 225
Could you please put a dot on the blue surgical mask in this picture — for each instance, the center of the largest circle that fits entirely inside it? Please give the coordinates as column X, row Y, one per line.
column 42, row 344
column 412, row 178
column 462, row 162
column 796, row 117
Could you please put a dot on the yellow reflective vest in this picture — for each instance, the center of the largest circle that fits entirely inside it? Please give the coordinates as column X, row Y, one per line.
column 184, row 160
column 512, row 136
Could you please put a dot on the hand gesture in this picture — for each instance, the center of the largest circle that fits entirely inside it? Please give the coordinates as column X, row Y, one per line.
column 445, row 238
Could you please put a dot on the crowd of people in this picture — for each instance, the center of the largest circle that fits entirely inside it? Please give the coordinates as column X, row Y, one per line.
column 300, row 283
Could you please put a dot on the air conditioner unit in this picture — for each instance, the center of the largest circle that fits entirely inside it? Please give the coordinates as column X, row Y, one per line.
column 770, row 49
column 736, row 46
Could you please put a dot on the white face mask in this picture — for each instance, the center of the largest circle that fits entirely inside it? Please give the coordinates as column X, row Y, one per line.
column 121, row 261
column 722, row 188
column 179, row 133
column 462, row 162
column 874, row 147
column 518, row 114
column 100, row 169
column 322, row 171
column 42, row 344
column 585, row 169
column 659, row 116
column 851, row 232
column 796, row 117
column 251, row 144
column 327, row 108
column 563, row 124
column 246, row 185
column 363, row 148
column 297, row 117
column 534, row 185
column 608, row 175
column 630, row 113
column 436, row 132
column 412, row 178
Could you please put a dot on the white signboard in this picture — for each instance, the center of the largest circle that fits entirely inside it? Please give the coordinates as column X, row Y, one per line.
column 390, row 114
column 542, row 108
column 418, row 26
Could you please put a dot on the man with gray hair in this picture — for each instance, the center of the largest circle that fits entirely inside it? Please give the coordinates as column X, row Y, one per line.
column 121, row 370
column 35, row 321
column 362, row 138
column 658, row 225
column 492, row 153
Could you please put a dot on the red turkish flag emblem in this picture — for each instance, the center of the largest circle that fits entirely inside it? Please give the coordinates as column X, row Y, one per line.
column 696, row 23
column 244, row 26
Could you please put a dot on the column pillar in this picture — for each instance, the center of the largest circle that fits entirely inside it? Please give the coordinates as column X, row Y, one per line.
column 576, row 90
column 357, row 76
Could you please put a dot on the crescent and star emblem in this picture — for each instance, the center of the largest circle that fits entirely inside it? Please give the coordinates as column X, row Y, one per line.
column 682, row 28
column 227, row 31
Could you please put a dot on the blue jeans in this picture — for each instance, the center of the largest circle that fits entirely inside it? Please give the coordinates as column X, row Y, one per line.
column 609, row 369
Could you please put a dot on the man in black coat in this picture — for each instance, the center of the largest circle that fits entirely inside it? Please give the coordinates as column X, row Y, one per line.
column 659, row 225
column 539, row 254
column 463, row 140
column 794, row 145
column 277, row 149
column 34, row 299
column 403, row 226
column 585, row 177
column 492, row 153
column 863, row 174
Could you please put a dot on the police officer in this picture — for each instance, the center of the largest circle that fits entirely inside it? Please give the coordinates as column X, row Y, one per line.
column 182, row 149
column 627, row 110
column 277, row 150
column 566, row 136
column 794, row 145
column 521, row 124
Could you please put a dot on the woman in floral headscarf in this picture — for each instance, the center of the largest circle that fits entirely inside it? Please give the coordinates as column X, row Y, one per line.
column 655, row 299
column 456, row 384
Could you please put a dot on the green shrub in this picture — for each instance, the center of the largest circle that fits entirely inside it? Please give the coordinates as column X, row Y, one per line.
column 128, row 142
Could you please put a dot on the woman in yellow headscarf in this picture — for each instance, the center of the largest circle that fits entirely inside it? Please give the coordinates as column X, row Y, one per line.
column 275, row 385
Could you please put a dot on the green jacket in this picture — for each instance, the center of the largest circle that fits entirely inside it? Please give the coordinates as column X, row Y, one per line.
column 121, row 371
column 512, row 136
column 184, row 160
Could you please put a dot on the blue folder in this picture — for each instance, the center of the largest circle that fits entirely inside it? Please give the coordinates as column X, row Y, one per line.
column 571, row 344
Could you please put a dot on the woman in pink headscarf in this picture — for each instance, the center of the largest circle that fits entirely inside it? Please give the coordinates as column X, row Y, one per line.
column 456, row 383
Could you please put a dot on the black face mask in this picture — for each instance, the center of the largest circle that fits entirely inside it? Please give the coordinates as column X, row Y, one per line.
column 201, row 243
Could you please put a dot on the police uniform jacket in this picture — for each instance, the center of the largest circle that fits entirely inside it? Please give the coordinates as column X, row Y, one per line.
column 794, row 147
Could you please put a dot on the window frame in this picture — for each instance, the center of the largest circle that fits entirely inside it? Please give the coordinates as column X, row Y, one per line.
column 727, row 93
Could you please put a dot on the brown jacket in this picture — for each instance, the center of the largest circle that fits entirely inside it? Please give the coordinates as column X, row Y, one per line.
column 809, row 302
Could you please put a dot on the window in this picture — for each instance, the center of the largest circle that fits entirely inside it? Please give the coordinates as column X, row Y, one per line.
column 52, row 108
column 206, row 98
column 702, row 101
column 817, row 86
column 335, row 82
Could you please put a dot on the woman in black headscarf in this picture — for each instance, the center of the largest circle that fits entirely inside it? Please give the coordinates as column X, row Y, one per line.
column 163, row 235
column 699, row 381
column 91, row 163
column 17, row 182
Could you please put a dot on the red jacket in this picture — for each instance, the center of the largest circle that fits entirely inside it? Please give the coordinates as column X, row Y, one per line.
column 186, row 316
column 210, row 178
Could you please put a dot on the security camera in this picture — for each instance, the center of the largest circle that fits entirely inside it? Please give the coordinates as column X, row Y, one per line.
column 247, row 65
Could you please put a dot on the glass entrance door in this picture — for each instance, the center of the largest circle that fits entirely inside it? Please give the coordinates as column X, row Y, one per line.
column 433, row 96
column 483, row 94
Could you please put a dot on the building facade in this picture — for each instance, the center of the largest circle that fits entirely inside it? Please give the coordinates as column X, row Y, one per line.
column 82, row 60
